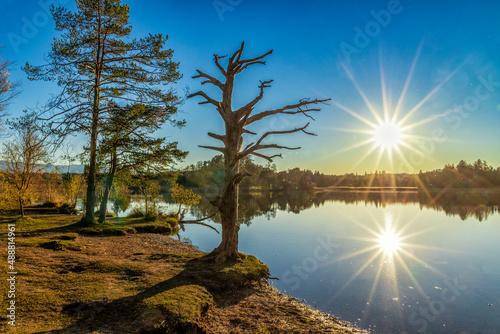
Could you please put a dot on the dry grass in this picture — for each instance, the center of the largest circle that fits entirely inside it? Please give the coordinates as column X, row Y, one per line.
column 139, row 283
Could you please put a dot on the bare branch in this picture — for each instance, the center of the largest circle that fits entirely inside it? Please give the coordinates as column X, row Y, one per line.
column 237, row 54
column 241, row 68
column 199, row 222
column 220, row 149
column 208, row 98
column 256, row 58
column 252, row 150
column 257, row 145
column 247, row 109
column 268, row 158
column 216, row 60
column 289, row 109
column 210, row 78
column 216, row 136
column 249, row 132
column 243, row 64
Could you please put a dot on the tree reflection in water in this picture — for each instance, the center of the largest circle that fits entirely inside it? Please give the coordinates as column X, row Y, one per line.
column 478, row 204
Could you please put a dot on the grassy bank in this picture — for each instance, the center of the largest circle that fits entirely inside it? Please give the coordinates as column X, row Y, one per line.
column 121, row 278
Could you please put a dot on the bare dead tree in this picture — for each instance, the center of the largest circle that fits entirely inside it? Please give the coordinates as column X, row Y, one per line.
column 25, row 156
column 8, row 89
column 236, row 122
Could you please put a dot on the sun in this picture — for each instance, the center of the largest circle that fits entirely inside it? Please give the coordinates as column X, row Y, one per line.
column 388, row 126
column 388, row 135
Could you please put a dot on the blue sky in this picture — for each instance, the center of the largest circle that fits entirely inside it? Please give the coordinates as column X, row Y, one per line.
column 316, row 43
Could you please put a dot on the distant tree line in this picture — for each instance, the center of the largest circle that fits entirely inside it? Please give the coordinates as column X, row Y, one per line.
column 464, row 175
column 209, row 174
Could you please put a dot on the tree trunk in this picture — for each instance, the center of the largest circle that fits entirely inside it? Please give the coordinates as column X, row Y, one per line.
column 146, row 208
column 90, row 204
column 107, row 188
column 228, row 248
column 228, row 207
column 21, row 207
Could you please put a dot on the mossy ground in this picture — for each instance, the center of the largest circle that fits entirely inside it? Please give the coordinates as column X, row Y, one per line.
column 72, row 281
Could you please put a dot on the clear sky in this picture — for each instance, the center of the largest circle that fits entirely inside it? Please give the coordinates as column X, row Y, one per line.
column 358, row 53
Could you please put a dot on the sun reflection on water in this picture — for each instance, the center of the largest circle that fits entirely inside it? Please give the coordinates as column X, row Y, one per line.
column 388, row 255
column 389, row 241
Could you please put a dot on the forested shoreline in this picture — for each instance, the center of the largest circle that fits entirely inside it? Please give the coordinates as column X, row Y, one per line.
column 209, row 174
column 57, row 186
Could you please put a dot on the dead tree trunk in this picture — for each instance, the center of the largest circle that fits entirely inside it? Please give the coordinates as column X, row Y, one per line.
column 235, row 122
column 228, row 208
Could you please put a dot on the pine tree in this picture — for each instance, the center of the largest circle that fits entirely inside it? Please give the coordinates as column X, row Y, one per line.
column 98, row 66
column 128, row 143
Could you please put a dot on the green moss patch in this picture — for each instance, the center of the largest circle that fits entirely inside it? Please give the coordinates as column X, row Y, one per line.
column 41, row 223
column 108, row 267
column 177, row 257
column 107, row 230
column 56, row 242
column 170, row 221
column 153, row 228
column 61, row 245
column 247, row 269
column 124, row 226
column 182, row 303
column 229, row 275
column 65, row 236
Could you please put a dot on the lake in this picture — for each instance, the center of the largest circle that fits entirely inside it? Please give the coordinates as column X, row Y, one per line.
column 392, row 262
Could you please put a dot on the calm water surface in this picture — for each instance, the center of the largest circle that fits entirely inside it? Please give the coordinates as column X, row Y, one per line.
column 394, row 267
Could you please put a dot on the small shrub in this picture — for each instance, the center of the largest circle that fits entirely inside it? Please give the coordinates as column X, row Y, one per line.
column 171, row 215
column 67, row 208
column 48, row 205
column 172, row 222
column 262, row 330
column 136, row 213
column 151, row 216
